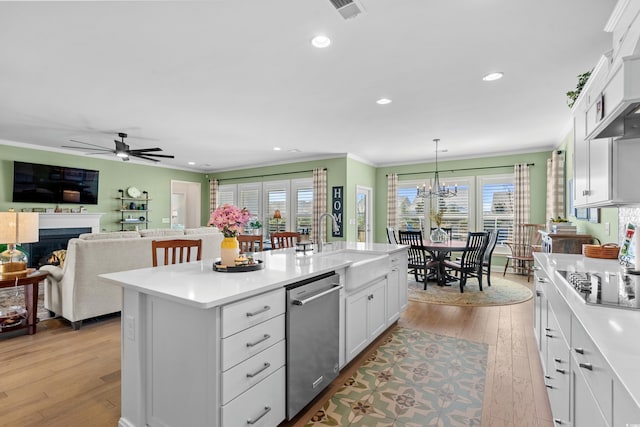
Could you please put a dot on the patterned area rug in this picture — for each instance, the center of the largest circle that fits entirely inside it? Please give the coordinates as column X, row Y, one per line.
column 501, row 292
column 413, row 379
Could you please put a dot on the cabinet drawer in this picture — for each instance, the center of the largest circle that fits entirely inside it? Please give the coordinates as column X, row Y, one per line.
column 593, row 367
column 252, row 341
column 557, row 377
column 253, row 370
column 251, row 311
column 262, row 405
column 560, row 309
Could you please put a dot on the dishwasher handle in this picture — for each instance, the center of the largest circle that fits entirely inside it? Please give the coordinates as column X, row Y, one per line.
column 334, row 288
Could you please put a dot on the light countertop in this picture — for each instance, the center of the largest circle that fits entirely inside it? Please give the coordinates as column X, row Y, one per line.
column 613, row 330
column 198, row 285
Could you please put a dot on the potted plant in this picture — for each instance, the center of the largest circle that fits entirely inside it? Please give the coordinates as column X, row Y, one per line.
column 573, row 95
column 256, row 226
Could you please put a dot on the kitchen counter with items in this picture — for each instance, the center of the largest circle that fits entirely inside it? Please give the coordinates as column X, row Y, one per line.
column 587, row 318
column 192, row 336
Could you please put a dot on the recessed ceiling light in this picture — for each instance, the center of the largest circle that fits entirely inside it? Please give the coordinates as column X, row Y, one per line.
column 383, row 101
column 191, row 163
column 277, row 148
column 321, row 41
column 493, row 76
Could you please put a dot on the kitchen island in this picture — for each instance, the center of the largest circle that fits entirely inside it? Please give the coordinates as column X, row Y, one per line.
column 193, row 337
column 590, row 352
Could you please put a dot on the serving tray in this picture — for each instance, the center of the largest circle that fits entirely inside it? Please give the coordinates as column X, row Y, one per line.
column 258, row 265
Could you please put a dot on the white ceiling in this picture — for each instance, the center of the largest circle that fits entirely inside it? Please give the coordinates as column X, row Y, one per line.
column 222, row 82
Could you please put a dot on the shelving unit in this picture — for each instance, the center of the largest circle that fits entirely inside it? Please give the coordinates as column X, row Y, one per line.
column 134, row 211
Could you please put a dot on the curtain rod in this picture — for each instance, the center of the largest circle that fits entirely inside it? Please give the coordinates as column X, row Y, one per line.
column 268, row 174
column 463, row 169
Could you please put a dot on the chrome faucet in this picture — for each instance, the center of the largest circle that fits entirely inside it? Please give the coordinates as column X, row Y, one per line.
column 335, row 228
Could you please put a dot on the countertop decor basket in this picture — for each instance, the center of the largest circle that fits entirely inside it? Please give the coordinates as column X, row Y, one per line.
column 607, row 251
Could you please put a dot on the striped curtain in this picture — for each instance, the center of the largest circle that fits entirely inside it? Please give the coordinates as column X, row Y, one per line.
column 213, row 195
column 319, row 201
column 555, row 185
column 521, row 211
column 392, row 200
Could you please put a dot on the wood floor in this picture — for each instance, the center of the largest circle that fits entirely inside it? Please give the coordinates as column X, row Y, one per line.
column 61, row 377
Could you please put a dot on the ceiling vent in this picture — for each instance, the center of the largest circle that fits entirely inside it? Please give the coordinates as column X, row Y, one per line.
column 347, row 8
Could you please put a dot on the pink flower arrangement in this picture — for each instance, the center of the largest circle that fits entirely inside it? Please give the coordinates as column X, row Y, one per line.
column 230, row 219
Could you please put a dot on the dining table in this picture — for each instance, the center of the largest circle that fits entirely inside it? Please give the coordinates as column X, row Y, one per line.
column 439, row 252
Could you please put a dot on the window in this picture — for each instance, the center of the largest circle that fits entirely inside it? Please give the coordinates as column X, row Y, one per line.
column 497, row 205
column 457, row 212
column 293, row 198
column 482, row 203
column 411, row 211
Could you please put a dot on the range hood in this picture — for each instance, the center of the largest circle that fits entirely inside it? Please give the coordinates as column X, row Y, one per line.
column 616, row 112
column 625, row 126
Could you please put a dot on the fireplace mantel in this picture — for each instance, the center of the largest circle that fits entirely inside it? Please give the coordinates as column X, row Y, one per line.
column 71, row 220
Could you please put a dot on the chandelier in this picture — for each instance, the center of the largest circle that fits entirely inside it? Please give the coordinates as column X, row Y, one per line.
column 440, row 191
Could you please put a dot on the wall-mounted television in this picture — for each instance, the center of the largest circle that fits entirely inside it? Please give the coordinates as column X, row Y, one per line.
column 33, row 182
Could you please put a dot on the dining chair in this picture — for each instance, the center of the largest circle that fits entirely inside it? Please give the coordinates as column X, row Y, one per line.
column 284, row 239
column 391, row 236
column 419, row 262
column 176, row 250
column 470, row 264
column 249, row 243
column 488, row 253
column 526, row 240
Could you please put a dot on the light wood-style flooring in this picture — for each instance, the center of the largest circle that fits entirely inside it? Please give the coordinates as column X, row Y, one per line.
column 61, row 377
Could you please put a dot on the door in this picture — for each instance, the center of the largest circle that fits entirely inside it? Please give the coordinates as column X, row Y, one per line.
column 185, row 205
column 363, row 214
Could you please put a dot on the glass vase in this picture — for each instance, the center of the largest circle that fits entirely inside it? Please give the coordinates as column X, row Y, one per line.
column 229, row 251
column 438, row 235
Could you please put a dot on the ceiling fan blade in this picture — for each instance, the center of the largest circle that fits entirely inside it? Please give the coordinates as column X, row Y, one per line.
column 143, row 150
column 106, row 150
column 145, row 157
column 87, row 143
column 166, row 156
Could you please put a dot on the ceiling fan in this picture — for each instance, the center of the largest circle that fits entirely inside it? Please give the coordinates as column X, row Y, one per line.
column 122, row 150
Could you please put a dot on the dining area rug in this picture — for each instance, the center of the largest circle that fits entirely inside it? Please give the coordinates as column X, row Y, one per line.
column 414, row 378
column 501, row 292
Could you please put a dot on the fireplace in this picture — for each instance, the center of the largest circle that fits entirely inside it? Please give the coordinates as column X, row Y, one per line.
column 51, row 239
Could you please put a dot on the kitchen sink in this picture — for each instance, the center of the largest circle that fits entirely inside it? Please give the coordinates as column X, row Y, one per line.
column 364, row 267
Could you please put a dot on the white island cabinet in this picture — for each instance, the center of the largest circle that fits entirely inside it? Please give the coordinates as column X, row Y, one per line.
column 590, row 353
column 186, row 329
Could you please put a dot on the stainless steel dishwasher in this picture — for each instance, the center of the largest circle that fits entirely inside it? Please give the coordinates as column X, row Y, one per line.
column 313, row 311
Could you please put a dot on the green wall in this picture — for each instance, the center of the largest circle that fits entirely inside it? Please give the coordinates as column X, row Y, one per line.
column 113, row 176
column 607, row 215
column 538, row 175
column 358, row 174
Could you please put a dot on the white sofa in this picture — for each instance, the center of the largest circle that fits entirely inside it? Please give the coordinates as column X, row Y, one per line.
column 75, row 292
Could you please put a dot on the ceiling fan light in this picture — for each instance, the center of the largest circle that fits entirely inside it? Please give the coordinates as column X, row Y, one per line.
column 122, row 154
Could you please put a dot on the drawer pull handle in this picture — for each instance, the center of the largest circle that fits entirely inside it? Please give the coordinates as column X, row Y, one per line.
column 557, row 421
column 264, row 338
column 547, row 377
column 262, row 310
column 547, row 329
column 548, row 386
column 542, row 280
column 265, row 412
column 267, row 365
column 579, row 350
column 538, row 293
column 560, row 370
column 536, row 268
column 548, row 335
column 557, row 360
column 588, row 366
